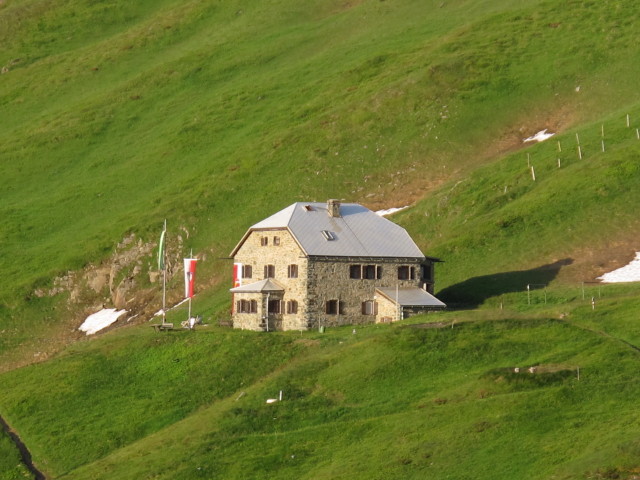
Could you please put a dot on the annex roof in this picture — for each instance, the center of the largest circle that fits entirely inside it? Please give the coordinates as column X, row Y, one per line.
column 411, row 297
column 263, row 286
column 357, row 232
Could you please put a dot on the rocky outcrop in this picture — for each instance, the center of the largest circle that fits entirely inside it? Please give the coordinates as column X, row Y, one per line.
column 128, row 279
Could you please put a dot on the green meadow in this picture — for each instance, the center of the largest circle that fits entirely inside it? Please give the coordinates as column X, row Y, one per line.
column 11, row 466
column 400, row 401
column 214, row 114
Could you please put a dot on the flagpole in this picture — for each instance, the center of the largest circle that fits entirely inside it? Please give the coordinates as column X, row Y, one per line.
column 189, row 314
column 164, row 278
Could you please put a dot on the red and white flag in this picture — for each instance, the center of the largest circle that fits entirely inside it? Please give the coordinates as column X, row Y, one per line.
column 237, row 275
column 189, row 276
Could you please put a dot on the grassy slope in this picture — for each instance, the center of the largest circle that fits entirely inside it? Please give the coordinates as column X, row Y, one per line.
column 125, row 388
column 166, row 117
column 11, row 466
column 567, row 220
column 387, row 402
column 167, row 110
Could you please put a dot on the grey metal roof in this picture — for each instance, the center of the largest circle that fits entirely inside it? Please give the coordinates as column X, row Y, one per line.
column 358, row 232
column 263, row 286
column 411, row 297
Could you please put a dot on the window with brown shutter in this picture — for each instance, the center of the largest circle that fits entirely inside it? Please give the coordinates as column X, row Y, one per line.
column 355, row 271
column 269, row 271
column 370, row 307
column 334, row 307
column 247, row 306
column 247, row 271
column 292, row 271
column 292, row 307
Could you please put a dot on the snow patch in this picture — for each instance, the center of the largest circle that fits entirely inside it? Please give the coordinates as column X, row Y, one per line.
column 389, row 211
column 541, row 136
column 99, row 320
column 628, row 273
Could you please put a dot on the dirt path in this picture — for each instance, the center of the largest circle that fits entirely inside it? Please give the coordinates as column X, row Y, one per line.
column 24, row 451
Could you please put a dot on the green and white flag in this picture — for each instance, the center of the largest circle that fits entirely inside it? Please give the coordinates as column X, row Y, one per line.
column 161, row 248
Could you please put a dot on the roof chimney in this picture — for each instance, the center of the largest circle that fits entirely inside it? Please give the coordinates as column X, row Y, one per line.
column 333, row 207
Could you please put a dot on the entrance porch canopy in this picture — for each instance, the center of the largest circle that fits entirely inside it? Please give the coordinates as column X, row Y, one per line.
column 263, row 286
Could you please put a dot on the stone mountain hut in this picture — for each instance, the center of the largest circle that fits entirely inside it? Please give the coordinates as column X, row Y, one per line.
column 314, row 264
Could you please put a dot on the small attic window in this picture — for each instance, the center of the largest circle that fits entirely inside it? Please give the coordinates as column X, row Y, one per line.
column 308, row 208
column 328, row 235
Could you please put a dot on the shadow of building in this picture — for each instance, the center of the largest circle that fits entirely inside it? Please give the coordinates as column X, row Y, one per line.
column 475, row 291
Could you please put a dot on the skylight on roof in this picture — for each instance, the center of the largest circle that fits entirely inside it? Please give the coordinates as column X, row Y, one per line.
column 328, row 235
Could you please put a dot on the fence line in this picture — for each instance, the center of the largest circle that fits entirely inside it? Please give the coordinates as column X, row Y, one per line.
column 580, row 151
column 586, row 292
